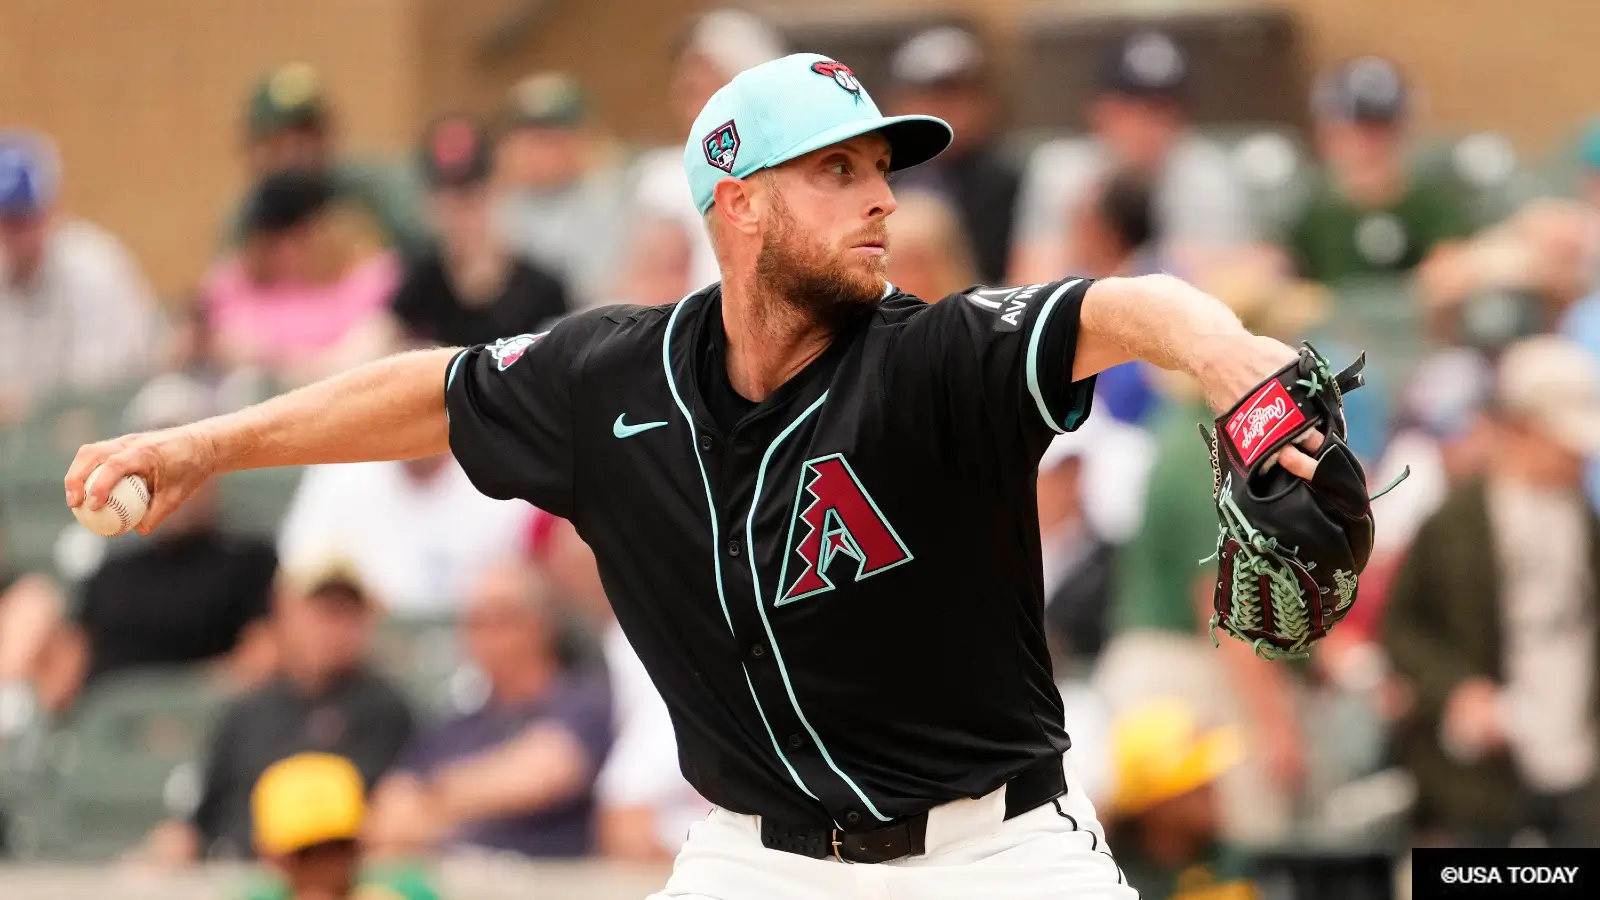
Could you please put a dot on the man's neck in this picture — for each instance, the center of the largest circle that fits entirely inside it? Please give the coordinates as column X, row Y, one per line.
column 524, row 685
column 1376, row 188
column 313, row 684
column 769, row 341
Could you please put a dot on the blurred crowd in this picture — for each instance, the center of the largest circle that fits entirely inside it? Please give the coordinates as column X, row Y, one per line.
column 1458, row 703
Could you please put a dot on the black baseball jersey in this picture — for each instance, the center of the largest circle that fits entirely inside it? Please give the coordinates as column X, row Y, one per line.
column 840, row 597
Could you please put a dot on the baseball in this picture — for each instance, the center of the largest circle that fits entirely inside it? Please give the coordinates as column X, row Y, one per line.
column 123, row 509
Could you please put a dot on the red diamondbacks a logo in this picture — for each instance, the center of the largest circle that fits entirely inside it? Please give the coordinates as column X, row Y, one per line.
column 1263, row 419
column 839, row 519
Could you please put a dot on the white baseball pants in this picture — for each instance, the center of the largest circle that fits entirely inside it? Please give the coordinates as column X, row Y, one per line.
column 1055, row 852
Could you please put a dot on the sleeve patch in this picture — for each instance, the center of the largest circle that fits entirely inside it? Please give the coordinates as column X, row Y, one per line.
column 507, row 351
column 1008, row 306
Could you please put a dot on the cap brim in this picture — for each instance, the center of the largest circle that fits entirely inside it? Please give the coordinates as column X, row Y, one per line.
column 913, row 140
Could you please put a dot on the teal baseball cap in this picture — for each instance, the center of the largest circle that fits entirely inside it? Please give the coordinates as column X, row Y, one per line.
column 779, row 110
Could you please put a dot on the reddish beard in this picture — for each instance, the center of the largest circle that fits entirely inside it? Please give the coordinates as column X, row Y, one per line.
column 810, row 278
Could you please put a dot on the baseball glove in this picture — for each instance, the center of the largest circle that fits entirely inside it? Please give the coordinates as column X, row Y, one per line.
column 1289, row 551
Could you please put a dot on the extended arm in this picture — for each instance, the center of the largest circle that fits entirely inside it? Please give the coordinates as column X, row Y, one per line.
column 1174, row 325
column 389, row 409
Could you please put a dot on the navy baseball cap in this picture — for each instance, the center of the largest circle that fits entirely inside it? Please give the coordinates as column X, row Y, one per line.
column 1367, row 89
column 28, row 174
column 788, row 107
column 1147, row 65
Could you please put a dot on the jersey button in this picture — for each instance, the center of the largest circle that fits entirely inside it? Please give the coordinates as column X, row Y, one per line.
column 706, row 443
column 733, row 548
column 758, row 651
column 852, row 817
column 796, row 741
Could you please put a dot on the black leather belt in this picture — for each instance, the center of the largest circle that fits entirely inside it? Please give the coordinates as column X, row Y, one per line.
column 1034, row 786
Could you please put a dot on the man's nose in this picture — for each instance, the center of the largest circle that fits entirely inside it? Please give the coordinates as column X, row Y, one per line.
column 882, row 202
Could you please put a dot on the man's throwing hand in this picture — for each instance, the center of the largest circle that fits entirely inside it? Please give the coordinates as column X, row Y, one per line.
column 173, row 462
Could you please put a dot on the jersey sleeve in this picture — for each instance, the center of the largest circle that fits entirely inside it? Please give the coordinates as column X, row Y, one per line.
column 510, row 405
column 999, row 362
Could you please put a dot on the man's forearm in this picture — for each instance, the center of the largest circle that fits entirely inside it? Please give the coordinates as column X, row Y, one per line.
column 389, row 409
column 1157, row 318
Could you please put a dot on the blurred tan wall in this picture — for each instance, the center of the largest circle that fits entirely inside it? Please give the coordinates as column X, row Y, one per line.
column 145, row 98
column 1527, row 67
column 618, row 46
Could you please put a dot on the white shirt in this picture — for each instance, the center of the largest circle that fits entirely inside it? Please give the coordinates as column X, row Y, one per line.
column 1198, row 200
column 418, row 545
column 576, row 232
column 662, row 191
column 1547, row 615
column 86, row 318
column 642, row 769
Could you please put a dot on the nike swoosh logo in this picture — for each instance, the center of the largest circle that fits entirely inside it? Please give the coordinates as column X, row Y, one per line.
column 622, row 429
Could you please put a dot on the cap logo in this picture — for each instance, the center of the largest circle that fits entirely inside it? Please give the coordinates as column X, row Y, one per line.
column 722, row 146
column 841, row 75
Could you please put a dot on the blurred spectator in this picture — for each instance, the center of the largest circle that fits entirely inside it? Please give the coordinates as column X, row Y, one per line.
column 516, row 775
column 943, row 72
column 929, row 256
column 1165, row 818
column 30, row 613
column 1589, row 195
column 308, row 812
column 566, row 204
column 1369, row 213
column 290, row 125
column 1511, row 281
column 325, row 699
column 190, row 593
column 75, row 312
column 718, row 45
column 1440, row 435
column 1163, row 605
column 1441, row 438
column 471, row 289
column 291, row 299
column 1077, row 561
column 1493, row 621
column 1116, row 236
column 417, row 530
column 1137, row 124
column 645, row 805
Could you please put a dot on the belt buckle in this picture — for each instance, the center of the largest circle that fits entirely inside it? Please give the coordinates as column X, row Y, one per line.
column 833, row 838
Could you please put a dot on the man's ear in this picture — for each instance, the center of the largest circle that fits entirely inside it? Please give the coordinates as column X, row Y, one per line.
column 734, row 199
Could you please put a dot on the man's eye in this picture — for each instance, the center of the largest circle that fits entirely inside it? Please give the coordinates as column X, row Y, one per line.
column 840, row 168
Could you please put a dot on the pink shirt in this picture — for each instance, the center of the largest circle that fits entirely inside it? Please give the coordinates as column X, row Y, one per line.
column 284, row 323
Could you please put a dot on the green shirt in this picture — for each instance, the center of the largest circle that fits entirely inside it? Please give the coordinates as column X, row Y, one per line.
column 1223, row 874
column 1157, row 571
column 395, row 882
column 1333, row 239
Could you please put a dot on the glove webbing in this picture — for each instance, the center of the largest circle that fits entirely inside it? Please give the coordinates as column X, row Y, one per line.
column 1257, row 556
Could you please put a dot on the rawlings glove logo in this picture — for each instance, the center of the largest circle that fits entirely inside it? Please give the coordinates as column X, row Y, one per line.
column 1261, row 420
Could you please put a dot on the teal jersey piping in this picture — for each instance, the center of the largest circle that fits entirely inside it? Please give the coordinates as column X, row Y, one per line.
column 716, row 541
column 755, row 579
column 1039, row 325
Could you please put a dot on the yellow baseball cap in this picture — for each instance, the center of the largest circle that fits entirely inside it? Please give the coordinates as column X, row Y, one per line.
column 309, row 799
column 1159, row 753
